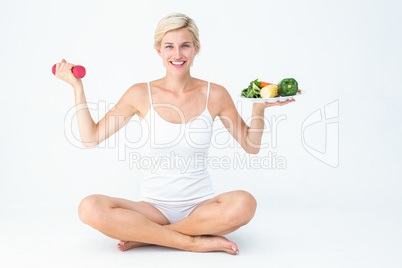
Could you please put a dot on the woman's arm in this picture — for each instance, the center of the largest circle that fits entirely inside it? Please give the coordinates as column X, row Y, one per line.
column 86, row 124
column 92, row 134
column 249, row 137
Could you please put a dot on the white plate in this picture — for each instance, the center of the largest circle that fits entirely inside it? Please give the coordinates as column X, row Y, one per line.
column 271, row 100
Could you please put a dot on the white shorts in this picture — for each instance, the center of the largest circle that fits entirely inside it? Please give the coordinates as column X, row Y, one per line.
column 175, row 210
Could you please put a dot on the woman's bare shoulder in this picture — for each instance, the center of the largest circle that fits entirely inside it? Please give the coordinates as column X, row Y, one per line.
column 138, row 89
column 219, row 93
column 219, row 99
column 137, row 95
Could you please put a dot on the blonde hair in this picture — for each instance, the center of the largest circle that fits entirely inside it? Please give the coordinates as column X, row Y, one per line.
column 176, row 21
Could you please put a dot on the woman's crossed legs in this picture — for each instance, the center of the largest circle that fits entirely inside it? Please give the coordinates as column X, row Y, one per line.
column 140, row 223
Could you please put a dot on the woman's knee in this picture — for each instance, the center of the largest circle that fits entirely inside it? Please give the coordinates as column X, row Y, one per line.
column 91, row 209
column 242, row 208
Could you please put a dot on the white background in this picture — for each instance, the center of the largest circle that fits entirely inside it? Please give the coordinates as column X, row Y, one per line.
column 309, row 214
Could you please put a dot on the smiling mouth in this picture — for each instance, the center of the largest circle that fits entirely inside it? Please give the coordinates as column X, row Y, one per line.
column 177, row 63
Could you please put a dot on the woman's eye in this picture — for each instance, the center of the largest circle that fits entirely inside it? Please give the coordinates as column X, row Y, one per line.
column 172, row 46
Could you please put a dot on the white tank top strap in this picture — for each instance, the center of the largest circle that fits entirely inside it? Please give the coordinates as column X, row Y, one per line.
column 209, row 84
column 149, row 92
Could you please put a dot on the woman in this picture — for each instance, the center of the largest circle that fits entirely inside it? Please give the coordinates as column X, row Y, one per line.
column 177, row 209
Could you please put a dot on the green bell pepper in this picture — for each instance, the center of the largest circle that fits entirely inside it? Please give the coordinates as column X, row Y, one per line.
column 288, row 87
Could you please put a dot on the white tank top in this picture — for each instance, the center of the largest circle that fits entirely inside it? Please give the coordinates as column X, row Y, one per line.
column 177, row 155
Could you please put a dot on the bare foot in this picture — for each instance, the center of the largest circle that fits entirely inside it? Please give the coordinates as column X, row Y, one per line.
column 206, row 243
column 126, row 245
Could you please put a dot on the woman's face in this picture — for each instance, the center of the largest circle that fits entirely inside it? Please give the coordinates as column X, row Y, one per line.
column 177, row 50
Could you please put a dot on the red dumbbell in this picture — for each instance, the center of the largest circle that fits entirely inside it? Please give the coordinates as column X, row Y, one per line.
column 78, row 71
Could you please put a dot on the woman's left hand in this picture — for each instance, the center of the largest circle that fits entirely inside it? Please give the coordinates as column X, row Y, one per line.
column 266, row 104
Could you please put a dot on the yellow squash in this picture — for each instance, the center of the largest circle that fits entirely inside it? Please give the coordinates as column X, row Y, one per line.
column 270, row 91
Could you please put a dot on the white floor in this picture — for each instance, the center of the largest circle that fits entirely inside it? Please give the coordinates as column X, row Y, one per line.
column 276, row 237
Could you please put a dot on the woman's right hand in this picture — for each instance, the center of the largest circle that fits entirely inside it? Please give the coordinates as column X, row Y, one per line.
column 63, row 72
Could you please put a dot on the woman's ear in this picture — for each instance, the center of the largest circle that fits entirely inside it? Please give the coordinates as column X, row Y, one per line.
column 159, row 51
column 160, row 55
column 196, row 50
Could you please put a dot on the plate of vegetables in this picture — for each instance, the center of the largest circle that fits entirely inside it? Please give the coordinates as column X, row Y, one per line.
column 258, row 91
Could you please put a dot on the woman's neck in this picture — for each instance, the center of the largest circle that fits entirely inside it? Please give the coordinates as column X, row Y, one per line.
column 177, row 83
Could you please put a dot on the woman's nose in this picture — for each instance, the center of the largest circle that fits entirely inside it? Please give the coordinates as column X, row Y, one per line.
column 178, row 52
